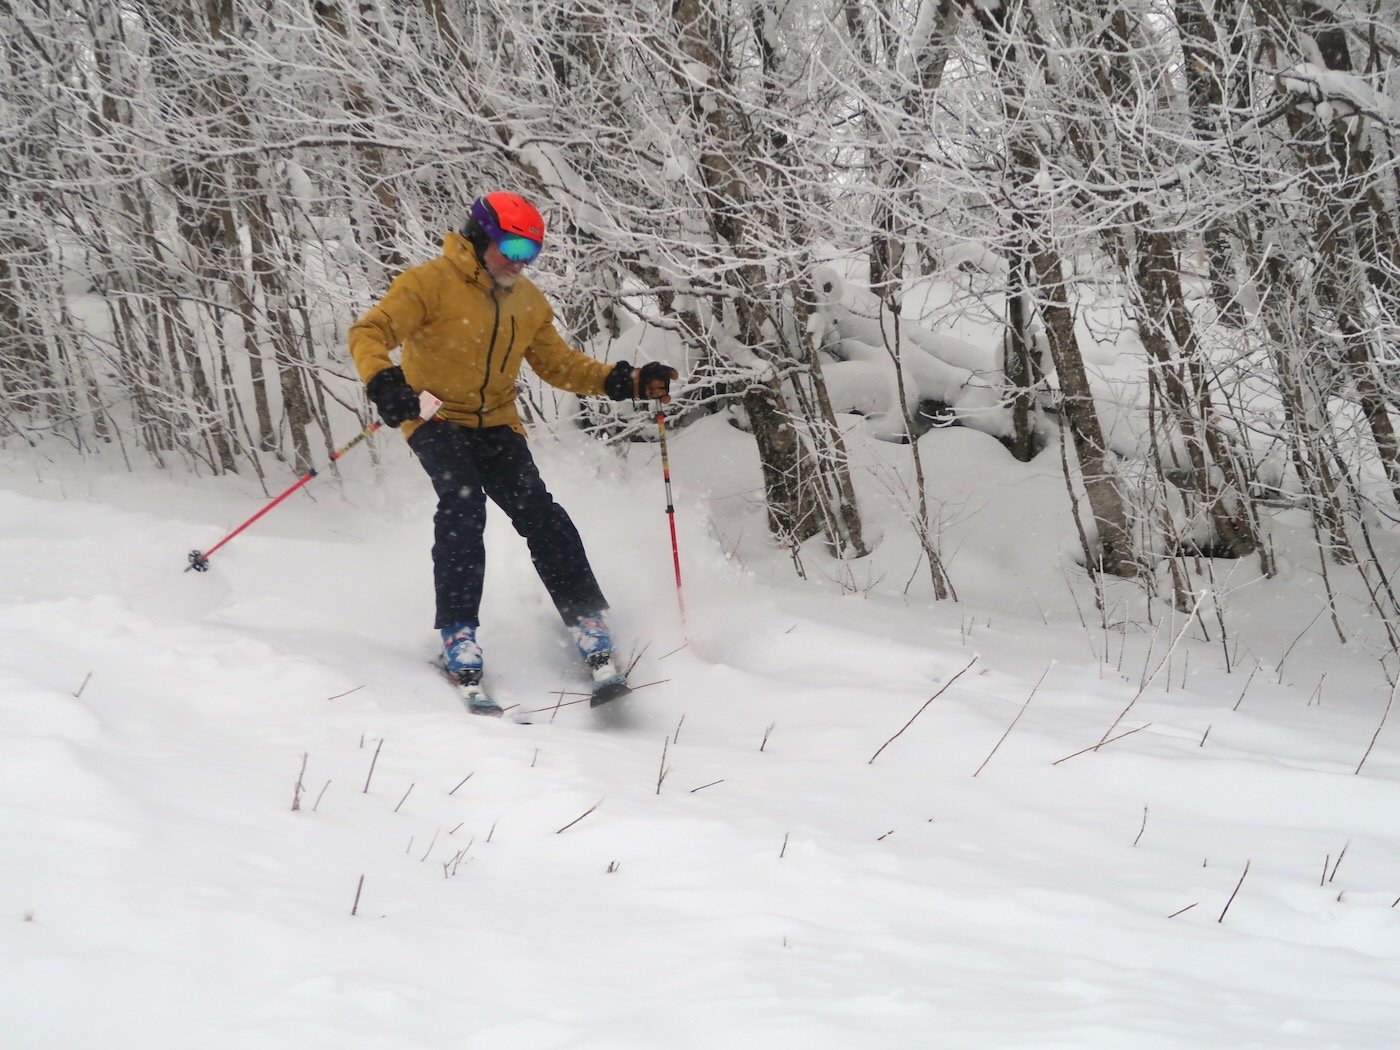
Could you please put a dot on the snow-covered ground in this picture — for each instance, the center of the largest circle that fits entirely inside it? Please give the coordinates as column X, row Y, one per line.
column 781, row 843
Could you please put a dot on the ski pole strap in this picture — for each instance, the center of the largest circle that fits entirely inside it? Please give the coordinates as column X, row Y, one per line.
column 199, row 560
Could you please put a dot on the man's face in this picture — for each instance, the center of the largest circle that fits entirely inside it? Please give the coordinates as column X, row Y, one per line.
column 502, row 270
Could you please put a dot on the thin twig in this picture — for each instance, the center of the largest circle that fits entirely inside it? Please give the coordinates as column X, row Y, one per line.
column 463, row 781
column 1237, row 890
column 356, row 906
column 1317, row 693
column 1246, row 686
column 583, row 698
column 1339, row 860
column 1376, row 735
column 298, row 789
column 404, row 799
column 1179, row 911
column 943, row 689
column 1175, row 642
column 1141, row 829
column 1016, row 719
column 1101, row 743
column 346, row 693
column 372, row 761
column 1295, row 641
column 711, row 784
column 571, row 823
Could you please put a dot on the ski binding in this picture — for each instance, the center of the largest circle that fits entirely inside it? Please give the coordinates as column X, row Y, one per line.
column 468, row 685
column 609, row 683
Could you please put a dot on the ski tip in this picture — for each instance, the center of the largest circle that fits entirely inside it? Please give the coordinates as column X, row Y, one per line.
column 487, row 710
column 480, row 704
column 606, row 692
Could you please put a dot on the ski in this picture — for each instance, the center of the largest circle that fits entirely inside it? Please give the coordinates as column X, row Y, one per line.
column 608, row 684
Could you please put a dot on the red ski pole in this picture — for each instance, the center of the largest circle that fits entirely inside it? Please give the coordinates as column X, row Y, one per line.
column 199, row 560
column 671, row 513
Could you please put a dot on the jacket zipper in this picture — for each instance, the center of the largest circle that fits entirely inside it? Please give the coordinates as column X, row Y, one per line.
column 510, row 345
column 486, row 372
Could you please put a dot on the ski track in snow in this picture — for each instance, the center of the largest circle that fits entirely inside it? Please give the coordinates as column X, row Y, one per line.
column 774, row 888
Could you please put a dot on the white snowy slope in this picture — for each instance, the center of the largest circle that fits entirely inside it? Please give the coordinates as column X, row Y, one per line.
column 751, row 854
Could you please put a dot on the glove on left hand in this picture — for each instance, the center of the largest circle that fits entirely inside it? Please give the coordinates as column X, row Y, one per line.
column 395, row 399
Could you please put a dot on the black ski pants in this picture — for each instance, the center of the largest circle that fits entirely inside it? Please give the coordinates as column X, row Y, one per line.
column 469, row 465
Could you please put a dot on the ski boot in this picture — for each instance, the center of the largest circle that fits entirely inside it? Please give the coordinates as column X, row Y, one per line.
column 461, row 659
column 594, row 642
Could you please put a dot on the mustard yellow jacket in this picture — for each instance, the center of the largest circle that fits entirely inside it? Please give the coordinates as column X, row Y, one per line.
column 463, row 339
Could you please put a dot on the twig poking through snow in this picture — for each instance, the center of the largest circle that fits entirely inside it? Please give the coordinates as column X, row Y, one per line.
column 1317, row 693
column 1339, row 860
column 1015, row 720
column 298, row 789
column 1190, row 617
column 1246, row 686
column 1295, row 641
column 1233, row 895
column 372, row 761
column 405, row 797
column 1141, row 829
column 1101, row 743
column 356, row 906
column 661, row 773
column 571, row 823
column 943, row 689
column 1374, row 736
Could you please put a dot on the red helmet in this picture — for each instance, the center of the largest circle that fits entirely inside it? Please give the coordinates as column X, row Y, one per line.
column 511, row 222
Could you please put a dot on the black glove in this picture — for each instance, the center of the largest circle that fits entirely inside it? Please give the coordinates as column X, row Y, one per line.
column 395, row 399
column 645, row 383
column 654, row 382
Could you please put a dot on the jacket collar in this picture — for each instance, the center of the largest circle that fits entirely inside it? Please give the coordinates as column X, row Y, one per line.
column 457, row 250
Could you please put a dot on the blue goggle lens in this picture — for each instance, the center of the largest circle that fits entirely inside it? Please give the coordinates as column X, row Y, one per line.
column 518, row 249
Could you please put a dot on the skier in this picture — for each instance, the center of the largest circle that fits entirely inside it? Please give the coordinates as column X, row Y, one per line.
column 466, row 320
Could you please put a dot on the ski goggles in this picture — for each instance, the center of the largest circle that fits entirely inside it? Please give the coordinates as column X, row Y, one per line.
column 518, row 249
